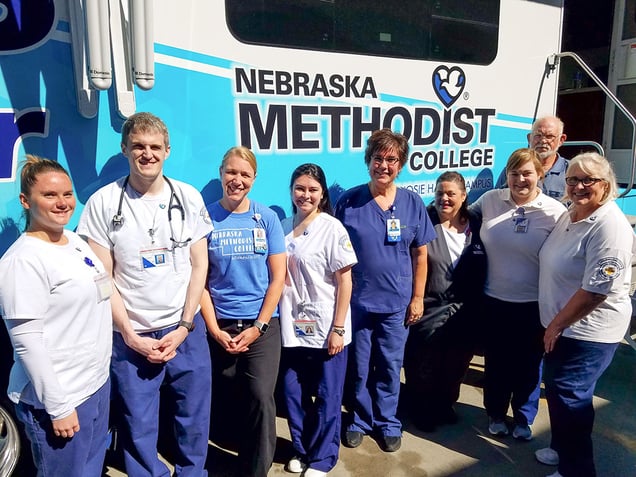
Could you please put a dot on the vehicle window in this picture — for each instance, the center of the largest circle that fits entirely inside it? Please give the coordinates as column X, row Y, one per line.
column 442, row 30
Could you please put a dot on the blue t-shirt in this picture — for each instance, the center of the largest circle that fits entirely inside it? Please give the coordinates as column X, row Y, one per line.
column 238, row 276
column 383, row 277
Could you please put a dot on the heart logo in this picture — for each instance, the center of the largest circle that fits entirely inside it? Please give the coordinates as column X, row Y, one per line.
column 448, row 84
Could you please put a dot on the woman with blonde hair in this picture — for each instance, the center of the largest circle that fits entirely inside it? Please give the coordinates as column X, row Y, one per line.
column 585, row 276
column 515, row 223
column 246, row 276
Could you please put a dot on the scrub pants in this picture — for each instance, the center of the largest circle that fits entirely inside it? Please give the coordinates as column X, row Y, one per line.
column 313, row 384
column 83, row 454
column 513, row 352
column 376, row 354
column 186, row 381
column 244, row 387
column 571, row 371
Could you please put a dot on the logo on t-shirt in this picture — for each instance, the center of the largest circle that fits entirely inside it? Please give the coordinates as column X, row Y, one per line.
column 609, row 268
column 345, row 244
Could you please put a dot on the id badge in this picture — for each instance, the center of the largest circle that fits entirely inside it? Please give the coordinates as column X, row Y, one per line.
column 521, row 225
column 393, row 233
column 104, row 286
column 305, row 328
column 260, row 240
column 153, row 258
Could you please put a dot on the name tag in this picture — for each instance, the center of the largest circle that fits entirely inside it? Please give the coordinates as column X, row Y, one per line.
column 104, row 286
column 260, row 240
column 152, row 258
column 305, row 328
column 520, row 225
column 393, row 233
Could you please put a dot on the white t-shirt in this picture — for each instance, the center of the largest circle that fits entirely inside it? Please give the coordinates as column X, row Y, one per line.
column 456, row 242
column 150, row 273
column 594, row 254
column 513, row 254
column 56, row 284
column 309, row 297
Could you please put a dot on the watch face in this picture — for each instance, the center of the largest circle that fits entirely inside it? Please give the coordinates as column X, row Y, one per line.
column 263, row 327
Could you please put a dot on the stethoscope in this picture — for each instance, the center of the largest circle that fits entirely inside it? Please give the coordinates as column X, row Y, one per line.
column 173, row 203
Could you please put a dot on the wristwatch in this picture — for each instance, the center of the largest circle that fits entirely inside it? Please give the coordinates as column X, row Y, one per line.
column 339, row 331
column 188, row 325
column 262, row 327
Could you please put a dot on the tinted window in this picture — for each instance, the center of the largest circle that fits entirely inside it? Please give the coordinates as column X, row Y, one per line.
column 441, row 30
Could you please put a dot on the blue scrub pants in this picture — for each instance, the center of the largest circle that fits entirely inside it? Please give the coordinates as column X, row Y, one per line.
column 313, row 385
column 376, row 354
column 512, row 357
column 531, row 407
column 83, row 454
column 186, row 381
column 571, row 371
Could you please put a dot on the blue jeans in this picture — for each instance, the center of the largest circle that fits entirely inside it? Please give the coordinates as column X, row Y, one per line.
column 83, row 454
column 313, row 383
column 186, row 381
column 571, row 371
column 376, row 354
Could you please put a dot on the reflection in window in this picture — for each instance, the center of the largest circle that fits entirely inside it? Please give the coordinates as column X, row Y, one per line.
column 442, row 30
column 622, row 133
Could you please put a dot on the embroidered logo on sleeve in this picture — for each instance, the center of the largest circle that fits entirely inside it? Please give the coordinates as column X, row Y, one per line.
column 345, row 244
column 607, row 269
column 205, row 216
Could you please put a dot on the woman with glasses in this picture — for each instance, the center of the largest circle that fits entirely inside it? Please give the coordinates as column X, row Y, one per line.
column 246, row 251
column 585, row 306
column 55, row 300
column 515, row 223
column 389, row 229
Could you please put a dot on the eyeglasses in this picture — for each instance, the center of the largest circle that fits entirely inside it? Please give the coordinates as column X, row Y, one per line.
column 586, row 181
column 547, row 137
column 391, row 160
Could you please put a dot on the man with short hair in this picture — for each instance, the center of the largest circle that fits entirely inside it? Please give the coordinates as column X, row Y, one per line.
column 150, row 233
column 546, row 137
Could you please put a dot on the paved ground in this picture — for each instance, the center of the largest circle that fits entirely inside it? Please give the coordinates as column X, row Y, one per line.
column 466, row 449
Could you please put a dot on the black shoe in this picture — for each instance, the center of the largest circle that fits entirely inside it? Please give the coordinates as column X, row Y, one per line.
column 390, row 443
column 448, row 416
column 352, row 439
column 425, row 423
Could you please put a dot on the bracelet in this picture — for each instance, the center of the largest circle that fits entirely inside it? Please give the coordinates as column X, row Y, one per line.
column 339, row 330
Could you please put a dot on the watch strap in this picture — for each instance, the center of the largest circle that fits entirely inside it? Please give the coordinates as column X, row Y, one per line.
column 188, row 325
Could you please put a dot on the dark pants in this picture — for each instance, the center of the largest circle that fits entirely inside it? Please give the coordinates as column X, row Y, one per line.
column 83, row 454
column 243, row 398
column 571, row 371
column 435, row 364
column 313, row 383
column 185, row 382
column 513, row 352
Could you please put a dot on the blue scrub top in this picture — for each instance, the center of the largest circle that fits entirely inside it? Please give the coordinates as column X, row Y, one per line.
column 238, row 276
column 383, row 277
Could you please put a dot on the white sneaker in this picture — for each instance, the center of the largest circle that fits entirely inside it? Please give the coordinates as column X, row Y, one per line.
column 547, row 456
column 523, row 433
column 497, row 428
column 555, row 474
column 314, row 473
column 295, row 465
